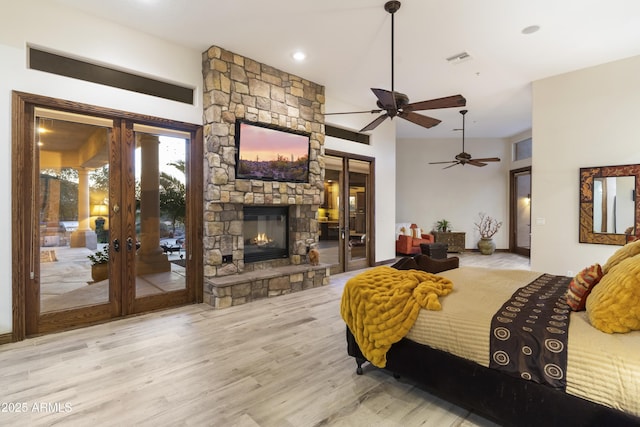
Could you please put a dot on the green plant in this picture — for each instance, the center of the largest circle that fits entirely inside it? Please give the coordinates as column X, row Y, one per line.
column 443, row 225
column 487, row 226
column 99, row 257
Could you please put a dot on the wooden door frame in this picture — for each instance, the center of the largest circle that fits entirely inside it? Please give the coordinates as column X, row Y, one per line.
column 513, row 220
column 370, row 202
column 23, row 164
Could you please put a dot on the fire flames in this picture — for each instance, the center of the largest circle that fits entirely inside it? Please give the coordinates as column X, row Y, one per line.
column 262, row 239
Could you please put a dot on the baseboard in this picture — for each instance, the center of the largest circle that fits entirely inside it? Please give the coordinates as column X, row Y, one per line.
column 478, row 250
column 6, row 338
column 385, row 262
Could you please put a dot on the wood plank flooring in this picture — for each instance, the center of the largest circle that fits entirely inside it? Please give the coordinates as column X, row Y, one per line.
column 273, row 362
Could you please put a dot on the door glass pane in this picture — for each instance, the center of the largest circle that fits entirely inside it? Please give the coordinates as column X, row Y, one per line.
column 328, row 214
column 160, row 189
column 358, row 173
column 72, row 208
column 523, row 211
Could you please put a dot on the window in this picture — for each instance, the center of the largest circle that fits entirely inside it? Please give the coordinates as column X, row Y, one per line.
column 522, row 149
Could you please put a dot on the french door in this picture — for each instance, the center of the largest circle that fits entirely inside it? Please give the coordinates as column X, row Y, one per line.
column 110, row 208
column 346, row 217
column 520, row 235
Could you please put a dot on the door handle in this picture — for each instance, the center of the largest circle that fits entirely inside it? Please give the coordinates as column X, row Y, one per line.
column 129, row 243
column 116, row 245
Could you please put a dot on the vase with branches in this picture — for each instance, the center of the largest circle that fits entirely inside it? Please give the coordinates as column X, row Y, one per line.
column 487, row 227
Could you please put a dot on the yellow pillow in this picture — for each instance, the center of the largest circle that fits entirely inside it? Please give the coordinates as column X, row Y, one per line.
column 628, row 250
column 614, row 305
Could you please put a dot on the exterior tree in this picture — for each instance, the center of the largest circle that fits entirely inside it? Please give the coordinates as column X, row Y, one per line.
column 173, row 203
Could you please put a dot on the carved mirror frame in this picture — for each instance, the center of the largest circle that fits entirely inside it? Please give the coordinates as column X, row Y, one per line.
column 587, row 176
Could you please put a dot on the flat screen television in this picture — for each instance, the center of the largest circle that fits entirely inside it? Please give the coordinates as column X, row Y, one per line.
column 271, row 153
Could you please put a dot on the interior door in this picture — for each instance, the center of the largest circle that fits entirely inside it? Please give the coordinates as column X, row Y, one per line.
column 520, row 241
column 344, row 218
column 112, row 208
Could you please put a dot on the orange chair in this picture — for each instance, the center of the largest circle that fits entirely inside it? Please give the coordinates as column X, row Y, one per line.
column 410, row 244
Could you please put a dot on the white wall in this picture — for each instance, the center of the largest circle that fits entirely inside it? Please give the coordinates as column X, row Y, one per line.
column 382, row 147
column 580, row 119
column 428, row 193
column 78, row 35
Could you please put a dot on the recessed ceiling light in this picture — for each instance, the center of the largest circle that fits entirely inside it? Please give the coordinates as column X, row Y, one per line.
column 299, row 55
column 530, row 29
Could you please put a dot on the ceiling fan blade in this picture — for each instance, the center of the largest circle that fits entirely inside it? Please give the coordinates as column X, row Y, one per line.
column 354, row 112
column 374, row 124
column 419, row 119
column 475, row 162
column 488, row 159
column 441, row 163
column 432, row 104
column 387, row 99
column 456, row 163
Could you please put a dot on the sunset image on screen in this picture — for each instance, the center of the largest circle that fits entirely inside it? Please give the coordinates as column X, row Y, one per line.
column 272, row 154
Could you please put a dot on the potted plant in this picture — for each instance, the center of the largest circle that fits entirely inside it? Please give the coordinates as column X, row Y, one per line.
column 443, row 226
column 100, row 264
column 487, row 227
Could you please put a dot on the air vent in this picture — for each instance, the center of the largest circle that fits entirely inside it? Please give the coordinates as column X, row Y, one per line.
column 460, row 57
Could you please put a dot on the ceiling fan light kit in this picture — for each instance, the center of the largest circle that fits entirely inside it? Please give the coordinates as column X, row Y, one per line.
column 392, row 103
column 464, row 157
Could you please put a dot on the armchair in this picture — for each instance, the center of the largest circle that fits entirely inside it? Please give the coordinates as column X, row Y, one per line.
column 409, row 238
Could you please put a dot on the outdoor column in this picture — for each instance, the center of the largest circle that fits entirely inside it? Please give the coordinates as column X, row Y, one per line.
column 150, row 257
column 84, row 236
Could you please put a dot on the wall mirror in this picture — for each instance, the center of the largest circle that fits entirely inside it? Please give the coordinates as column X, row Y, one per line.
column 609, row 211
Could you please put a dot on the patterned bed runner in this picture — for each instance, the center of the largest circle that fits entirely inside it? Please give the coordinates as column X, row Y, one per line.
column 529, row 332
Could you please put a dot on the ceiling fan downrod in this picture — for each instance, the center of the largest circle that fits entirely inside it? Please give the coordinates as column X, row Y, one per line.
column 463, row 112
column 392, row 7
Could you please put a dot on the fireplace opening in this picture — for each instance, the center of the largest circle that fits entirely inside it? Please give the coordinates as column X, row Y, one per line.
column 265, row 233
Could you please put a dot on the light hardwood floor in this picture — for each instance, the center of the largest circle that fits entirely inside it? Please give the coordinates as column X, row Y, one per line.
column 274, row 362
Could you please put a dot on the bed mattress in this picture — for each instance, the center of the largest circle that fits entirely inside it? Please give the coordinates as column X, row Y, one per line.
column 603, row 368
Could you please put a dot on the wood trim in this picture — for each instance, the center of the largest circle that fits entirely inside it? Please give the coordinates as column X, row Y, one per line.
column 110, row 113
column 6, row 338
column 195, row 208
column 20, row 208
column 115, row 220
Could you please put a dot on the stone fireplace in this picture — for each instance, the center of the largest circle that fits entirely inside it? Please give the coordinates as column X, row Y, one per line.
column 236, row 87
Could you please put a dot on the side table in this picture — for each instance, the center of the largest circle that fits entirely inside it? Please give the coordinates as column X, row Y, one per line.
column 454, row 239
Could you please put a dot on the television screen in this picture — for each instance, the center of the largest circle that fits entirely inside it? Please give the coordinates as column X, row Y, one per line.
column 271, row 153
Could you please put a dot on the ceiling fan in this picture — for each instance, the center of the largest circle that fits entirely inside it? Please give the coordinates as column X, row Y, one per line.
column 392, row 103
column 464, row 157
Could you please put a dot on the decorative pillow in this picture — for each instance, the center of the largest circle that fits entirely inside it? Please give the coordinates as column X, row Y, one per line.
column 416, row 232
column 628, row 250
column 614, row 305
column 403, row 228
column 581, row 286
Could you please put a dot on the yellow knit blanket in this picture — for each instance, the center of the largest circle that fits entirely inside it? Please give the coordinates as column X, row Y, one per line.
column 380, row 306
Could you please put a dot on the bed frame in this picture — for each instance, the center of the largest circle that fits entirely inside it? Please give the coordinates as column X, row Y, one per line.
column 507, row 400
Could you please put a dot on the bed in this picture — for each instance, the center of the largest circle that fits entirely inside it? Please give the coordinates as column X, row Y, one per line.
column 447, row 352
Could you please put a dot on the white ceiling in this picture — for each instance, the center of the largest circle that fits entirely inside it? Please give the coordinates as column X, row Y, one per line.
column 349, row 50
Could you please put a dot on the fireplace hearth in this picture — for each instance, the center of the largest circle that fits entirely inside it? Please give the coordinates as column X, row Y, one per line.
column 266, row 233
